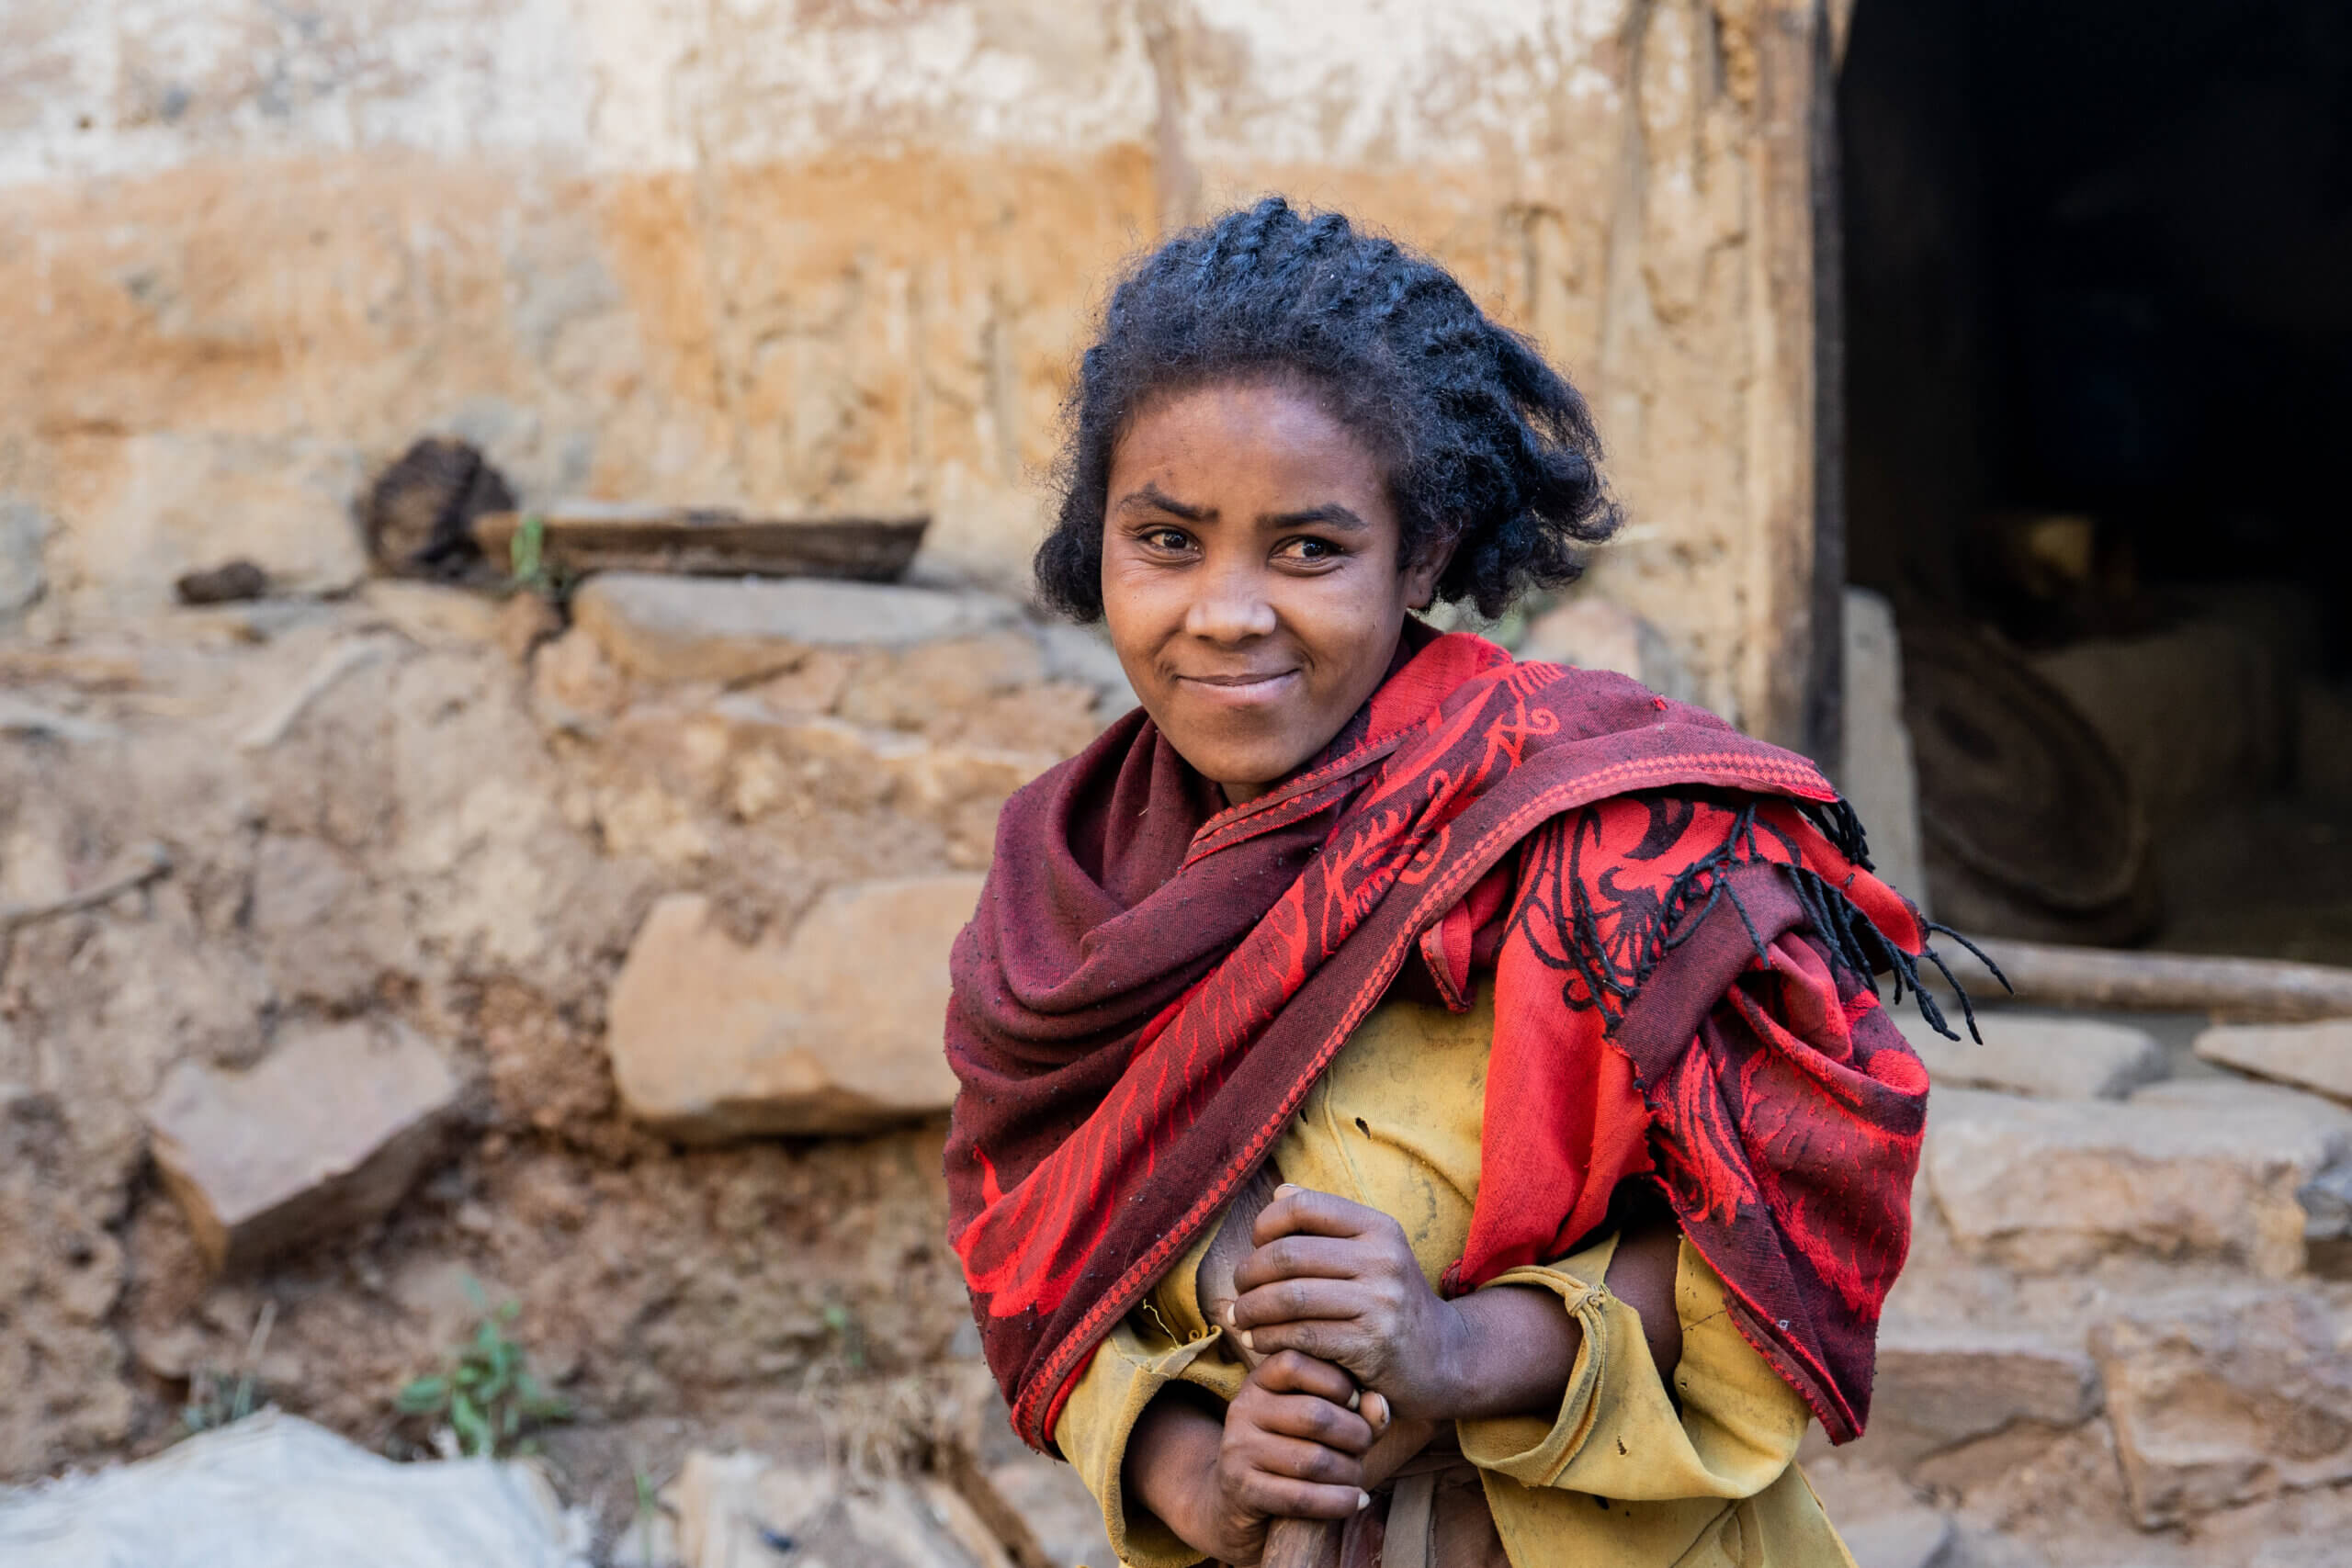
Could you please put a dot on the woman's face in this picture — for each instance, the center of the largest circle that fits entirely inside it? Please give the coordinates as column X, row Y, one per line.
column 1251, row 576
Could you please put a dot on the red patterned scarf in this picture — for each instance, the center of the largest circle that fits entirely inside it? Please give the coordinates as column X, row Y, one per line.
column 1680, row 932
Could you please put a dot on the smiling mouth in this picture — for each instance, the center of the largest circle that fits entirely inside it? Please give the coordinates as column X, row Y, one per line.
column 1244, row 688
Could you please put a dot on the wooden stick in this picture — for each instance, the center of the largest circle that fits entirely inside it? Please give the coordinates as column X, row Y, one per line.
column 2172, row 982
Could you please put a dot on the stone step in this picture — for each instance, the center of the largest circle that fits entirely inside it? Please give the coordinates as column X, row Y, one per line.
column 725, row 629
column 2315, row 1056
column 2184, row 1170
column 2223, row 1400
column 2048, row 1055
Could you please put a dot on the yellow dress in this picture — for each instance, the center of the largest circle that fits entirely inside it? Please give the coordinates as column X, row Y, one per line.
column 1619, row 1478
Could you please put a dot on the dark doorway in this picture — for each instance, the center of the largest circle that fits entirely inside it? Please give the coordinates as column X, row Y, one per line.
column 2097, row 262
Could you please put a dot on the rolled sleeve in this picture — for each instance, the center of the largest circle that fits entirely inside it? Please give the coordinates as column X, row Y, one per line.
column 1617, row 1433
column 1162, row 1342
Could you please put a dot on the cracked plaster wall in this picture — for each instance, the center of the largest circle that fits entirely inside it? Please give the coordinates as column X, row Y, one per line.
column 837, row 255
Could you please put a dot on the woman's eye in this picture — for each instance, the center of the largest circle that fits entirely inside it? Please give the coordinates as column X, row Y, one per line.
column 1310, row 552
column 1165, row 539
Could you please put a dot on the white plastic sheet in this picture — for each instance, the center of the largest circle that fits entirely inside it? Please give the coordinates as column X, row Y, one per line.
column 277, row 1492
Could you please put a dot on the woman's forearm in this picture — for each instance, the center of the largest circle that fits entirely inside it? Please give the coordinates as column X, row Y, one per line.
column 1517, row 1347
column 1511, row 1355
column 1170, row 1466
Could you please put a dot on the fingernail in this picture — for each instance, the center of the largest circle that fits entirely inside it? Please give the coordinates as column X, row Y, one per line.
column 1286, row 1189
column 1363, row 1501
column 1227, row 1309
column 1355, row 1399
column 1246, row 1343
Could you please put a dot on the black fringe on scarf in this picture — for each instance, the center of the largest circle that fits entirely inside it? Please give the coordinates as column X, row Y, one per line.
column 1854, row 944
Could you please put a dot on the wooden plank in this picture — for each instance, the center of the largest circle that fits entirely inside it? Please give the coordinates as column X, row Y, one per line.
column 583, row 538
column 2103, row 979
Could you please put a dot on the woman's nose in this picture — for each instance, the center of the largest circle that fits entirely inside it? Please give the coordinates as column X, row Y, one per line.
column 1232, row 606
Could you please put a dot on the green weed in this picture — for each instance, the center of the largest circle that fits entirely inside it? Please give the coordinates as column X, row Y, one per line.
column 485, row 1394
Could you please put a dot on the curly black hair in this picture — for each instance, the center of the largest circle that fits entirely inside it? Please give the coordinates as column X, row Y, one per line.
column 1487, row 448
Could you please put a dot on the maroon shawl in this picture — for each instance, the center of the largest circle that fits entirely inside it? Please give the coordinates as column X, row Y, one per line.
column 1681, row 933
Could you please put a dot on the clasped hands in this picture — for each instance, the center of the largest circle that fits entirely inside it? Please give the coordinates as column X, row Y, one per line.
column 1351, row 1337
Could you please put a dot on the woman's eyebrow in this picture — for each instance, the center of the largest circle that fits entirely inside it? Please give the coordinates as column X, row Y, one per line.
column 1157, row 500
column 1331, row 513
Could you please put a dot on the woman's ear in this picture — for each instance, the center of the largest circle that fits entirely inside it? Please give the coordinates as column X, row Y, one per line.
column 1425, row 568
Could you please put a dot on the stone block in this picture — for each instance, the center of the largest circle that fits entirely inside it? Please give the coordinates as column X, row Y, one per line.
column 1942, row 1385
column 2047, row 1057
column 694, row 628
column 2305, row 1056
column 2048, row 1186
column 322, row 1136
column 2220, row 1402
column 731, row 1509
column 931, row 687
column 1876, row 773
column 836, row 1029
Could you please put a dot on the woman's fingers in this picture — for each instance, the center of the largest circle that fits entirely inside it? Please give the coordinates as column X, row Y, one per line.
column 1296, row 1459
column 1295, row 1301
column 1314, row 1421
column 1293, row 1373
column 1274, row 1497
column 1346, row 1341
column 1293, row 1256
column 1301, row 1210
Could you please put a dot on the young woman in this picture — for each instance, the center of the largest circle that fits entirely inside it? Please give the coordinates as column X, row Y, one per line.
column 1403, row 1088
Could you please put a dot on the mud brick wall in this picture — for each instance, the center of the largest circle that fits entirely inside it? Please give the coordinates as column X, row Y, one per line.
column 835, row 257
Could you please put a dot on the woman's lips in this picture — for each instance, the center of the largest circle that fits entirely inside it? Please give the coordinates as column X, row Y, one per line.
column 1239, row 691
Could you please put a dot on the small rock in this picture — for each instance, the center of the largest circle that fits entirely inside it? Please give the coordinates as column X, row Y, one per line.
column 231, row 583
column 836, row 1030
column 324, row 1135
column 2046, row 1186
column 2217, row 1402
column 682, row 628
column 2047, row 1057
column 2306, row 1056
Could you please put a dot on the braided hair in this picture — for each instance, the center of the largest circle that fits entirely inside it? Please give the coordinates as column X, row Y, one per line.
column 1487, row 448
